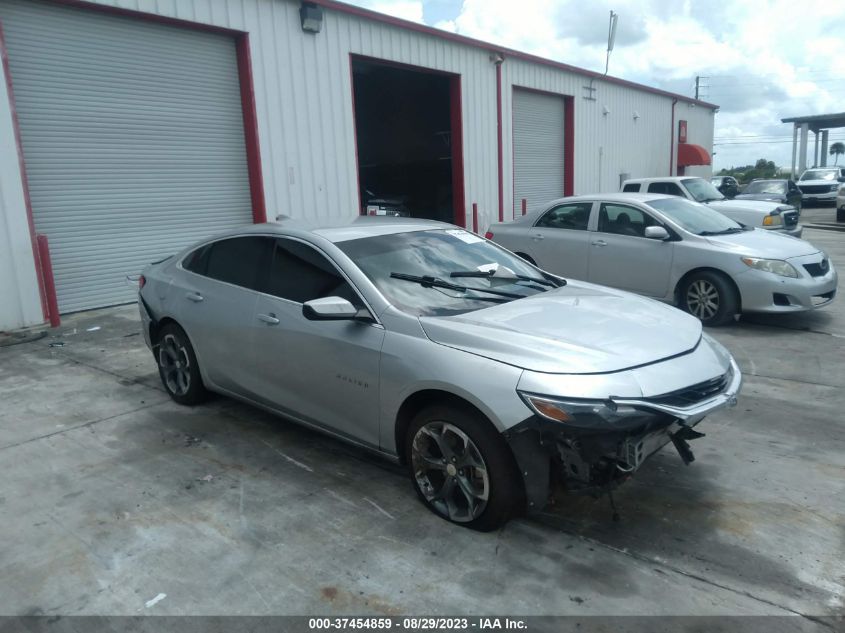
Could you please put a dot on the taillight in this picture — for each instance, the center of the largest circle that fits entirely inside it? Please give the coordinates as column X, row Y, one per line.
column 489, row 235
column 141, row 281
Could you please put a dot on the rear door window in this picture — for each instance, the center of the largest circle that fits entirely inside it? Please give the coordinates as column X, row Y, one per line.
column 567, row 216
column 239, row 260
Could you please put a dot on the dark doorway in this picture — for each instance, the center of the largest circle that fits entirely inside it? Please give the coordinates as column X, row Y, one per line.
column 408, row 132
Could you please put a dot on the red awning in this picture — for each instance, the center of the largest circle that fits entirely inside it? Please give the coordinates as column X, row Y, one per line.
column 691, row 154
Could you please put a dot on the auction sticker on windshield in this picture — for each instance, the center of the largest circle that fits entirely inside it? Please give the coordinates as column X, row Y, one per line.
column 464, row 236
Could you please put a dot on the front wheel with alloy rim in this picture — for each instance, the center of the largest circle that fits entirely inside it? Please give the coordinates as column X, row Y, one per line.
column 177, row 366
column 462, row 469
column 709, row 297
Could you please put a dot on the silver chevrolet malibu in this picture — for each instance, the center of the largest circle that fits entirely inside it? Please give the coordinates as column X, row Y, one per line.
column 491, row 379
column 675, row 250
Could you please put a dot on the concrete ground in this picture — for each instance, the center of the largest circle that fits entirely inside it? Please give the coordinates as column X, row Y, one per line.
column 114, row 500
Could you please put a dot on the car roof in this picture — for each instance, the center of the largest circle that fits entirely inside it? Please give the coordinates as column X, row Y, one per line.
column 663, row 179
column 625, row 196
column 340, row 230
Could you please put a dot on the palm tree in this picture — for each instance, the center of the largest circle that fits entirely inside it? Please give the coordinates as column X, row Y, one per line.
column 836, row 149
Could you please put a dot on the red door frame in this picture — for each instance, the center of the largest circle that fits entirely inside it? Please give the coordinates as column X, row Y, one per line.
column 455, row 123
column 568, row 139
column 250, row 118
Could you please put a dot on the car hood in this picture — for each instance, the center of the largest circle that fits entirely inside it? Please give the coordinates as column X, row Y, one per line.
column 764, row 243
column 578, row 329
column 760, row 196
column 816, row 183
column 762, row 206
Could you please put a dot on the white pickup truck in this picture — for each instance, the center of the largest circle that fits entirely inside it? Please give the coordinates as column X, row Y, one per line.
column 759, row 214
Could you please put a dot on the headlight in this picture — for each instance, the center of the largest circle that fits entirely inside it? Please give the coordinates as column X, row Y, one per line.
column 834, row 187
column 776, row 266
column 773, row 220
column 584, row 413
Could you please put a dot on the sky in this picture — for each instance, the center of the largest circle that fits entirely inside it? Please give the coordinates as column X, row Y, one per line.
column 759, row 61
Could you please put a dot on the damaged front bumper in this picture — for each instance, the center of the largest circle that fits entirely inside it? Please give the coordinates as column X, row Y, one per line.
column 591, row 454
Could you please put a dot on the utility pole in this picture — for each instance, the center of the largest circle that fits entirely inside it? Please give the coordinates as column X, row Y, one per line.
column 699, row 86
column 611, row 38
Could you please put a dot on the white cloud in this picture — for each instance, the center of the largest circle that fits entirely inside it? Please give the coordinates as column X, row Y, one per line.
column 764, row 59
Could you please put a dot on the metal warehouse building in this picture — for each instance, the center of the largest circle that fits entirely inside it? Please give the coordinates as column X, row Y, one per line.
column 129, row 128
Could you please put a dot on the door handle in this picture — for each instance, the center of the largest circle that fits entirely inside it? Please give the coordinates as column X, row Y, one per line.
column 194, row 296
column 537, row 236
column 269, row 319
column 599, row 243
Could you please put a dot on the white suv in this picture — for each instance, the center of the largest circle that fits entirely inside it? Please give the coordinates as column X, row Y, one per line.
column 820, row 184
column 759, row 214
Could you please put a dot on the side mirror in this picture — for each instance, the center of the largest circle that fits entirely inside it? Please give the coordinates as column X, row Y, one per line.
column 332, row 309
column 841, row 179
column 656, row 233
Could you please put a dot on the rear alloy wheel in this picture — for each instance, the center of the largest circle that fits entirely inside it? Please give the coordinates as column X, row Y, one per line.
column 177, row 366
column 710, row 298
column 462, row 469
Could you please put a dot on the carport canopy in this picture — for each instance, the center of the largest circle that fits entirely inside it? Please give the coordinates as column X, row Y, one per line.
column 817, row 123
column 692, row 154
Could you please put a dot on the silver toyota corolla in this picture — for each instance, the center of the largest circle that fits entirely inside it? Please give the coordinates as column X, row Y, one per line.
column 674, row 250
column 491, row 379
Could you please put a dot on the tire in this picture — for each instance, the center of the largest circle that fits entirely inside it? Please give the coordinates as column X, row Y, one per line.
column 840, row 215
column 178, row 367
column 710, row 297
column 527, row 258
column 456, row 459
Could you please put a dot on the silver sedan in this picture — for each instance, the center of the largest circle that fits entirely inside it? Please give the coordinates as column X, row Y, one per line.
column 674, row 250
column 433, row 347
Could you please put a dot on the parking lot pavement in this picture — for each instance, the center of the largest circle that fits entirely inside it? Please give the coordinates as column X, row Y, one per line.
column 112, row 495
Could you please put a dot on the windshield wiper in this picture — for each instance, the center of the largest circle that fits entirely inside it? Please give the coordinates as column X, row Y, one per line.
column 733, row 229
column 434, row 282
column 487, row 274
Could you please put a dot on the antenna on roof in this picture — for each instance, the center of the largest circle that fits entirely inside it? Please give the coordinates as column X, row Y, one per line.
column 611, row 38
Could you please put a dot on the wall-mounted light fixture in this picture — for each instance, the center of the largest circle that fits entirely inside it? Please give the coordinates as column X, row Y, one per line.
column 605, row 110
column 636, row 115
column 311, row 17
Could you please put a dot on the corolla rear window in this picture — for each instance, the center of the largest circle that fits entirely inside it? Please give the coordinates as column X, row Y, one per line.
column 398, row 263
column 695, row 218
column 820, row 174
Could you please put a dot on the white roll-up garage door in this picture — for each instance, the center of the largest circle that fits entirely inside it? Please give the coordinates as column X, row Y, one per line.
column 132, row 133
column 538, row 148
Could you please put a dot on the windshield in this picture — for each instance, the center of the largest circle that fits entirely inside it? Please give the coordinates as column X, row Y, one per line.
column 819, row 174
column 437, row 254
column 766, row 186
column 702, row 190
column 695, row 218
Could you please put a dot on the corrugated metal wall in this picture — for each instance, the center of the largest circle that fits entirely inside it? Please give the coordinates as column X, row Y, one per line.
column 304, row 104
column 20, row 304
column 606, row 145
